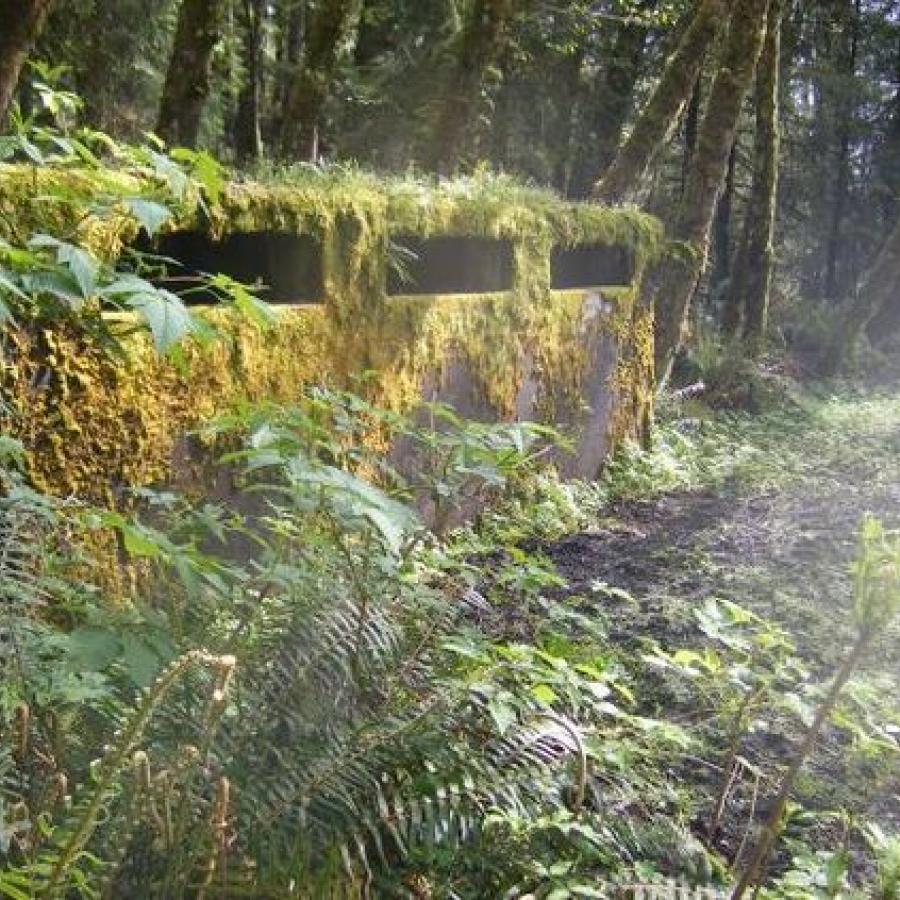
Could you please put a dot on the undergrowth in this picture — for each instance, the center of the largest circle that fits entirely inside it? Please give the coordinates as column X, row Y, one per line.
column 362, row 720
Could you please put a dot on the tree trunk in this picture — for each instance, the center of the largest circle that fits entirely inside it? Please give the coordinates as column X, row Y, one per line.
column 290, row 26
column 479, row 47
column 840, row 190
column 691, row 130
column 609, row 108
column 722, row 228
column 247, row 133
column 672, row 283
column 22, row 22
column 661, row 114
column 187, row 84
column 748, row 295
column 569, row 115
column 312, row 77
column 887, row 159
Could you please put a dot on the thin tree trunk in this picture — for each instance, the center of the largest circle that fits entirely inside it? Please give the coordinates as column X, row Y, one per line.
column 609, row 108
column 187, row 84
column 247, row 133
column 479, row 47
column 568, row 117
column 748, row 295
column 21, row 23
column 841, row 187
column 661, row 114
column 290, row 24
column 691, row 130
column 722, row 227
column 671, row 285
column 312, row 78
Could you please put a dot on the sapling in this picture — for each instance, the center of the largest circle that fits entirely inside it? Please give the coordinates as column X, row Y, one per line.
column 876, row 601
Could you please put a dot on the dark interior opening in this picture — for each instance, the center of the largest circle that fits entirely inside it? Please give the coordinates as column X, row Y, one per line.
column 449, row 265
column 591, row 265
column 287, row 266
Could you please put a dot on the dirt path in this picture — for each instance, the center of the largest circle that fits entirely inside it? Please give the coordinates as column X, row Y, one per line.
column 782, row 551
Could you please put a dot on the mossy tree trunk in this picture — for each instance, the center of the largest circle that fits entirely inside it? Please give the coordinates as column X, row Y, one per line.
column 327, row 29
column 691, row 130
column 670, row 287
column 187, row 84
column 478, row 47
column 247, row 134
column 21, row 22
column 663, row 110
column 747, row 303
column 722, row 230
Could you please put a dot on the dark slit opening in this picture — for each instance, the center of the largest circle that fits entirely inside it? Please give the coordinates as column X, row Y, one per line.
column 449, row 265
column 286, row 266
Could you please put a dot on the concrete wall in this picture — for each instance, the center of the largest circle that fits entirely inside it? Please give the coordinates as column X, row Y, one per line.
column 95, row 426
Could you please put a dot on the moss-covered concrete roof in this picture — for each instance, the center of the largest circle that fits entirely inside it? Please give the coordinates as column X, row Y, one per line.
column 311, row 200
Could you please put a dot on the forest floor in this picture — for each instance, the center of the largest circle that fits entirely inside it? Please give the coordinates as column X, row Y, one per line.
column 781, row 548
column 764, row 512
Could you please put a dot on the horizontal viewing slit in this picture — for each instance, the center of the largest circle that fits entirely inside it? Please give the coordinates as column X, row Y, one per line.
column 449, row 265
column 592, row 265
column 286, row 267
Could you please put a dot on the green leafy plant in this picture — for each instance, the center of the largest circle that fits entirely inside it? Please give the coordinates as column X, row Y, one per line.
column 876, row 602
column 887, row 856
column 62, row 276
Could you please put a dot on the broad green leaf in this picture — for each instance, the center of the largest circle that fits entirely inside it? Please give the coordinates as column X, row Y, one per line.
column 58, row 283
column 359, row 499
column 139, row 542
column 7, row 283
column 141, row 660
column 543, row 693
column 31, row 151
column 84, row 268
column 127, row 285
column 170, row 172
column 205, row 168
column 502, row 711
column 82, row 265
column 151, row 215
column 246, row 302
column 168, row 318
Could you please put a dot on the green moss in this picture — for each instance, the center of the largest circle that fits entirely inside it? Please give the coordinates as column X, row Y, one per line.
column 96, row 424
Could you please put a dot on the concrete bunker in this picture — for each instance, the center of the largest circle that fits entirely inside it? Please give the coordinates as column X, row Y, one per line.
column 493, row 320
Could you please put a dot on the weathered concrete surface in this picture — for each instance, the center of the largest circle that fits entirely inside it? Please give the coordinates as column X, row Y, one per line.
column 94, row 426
